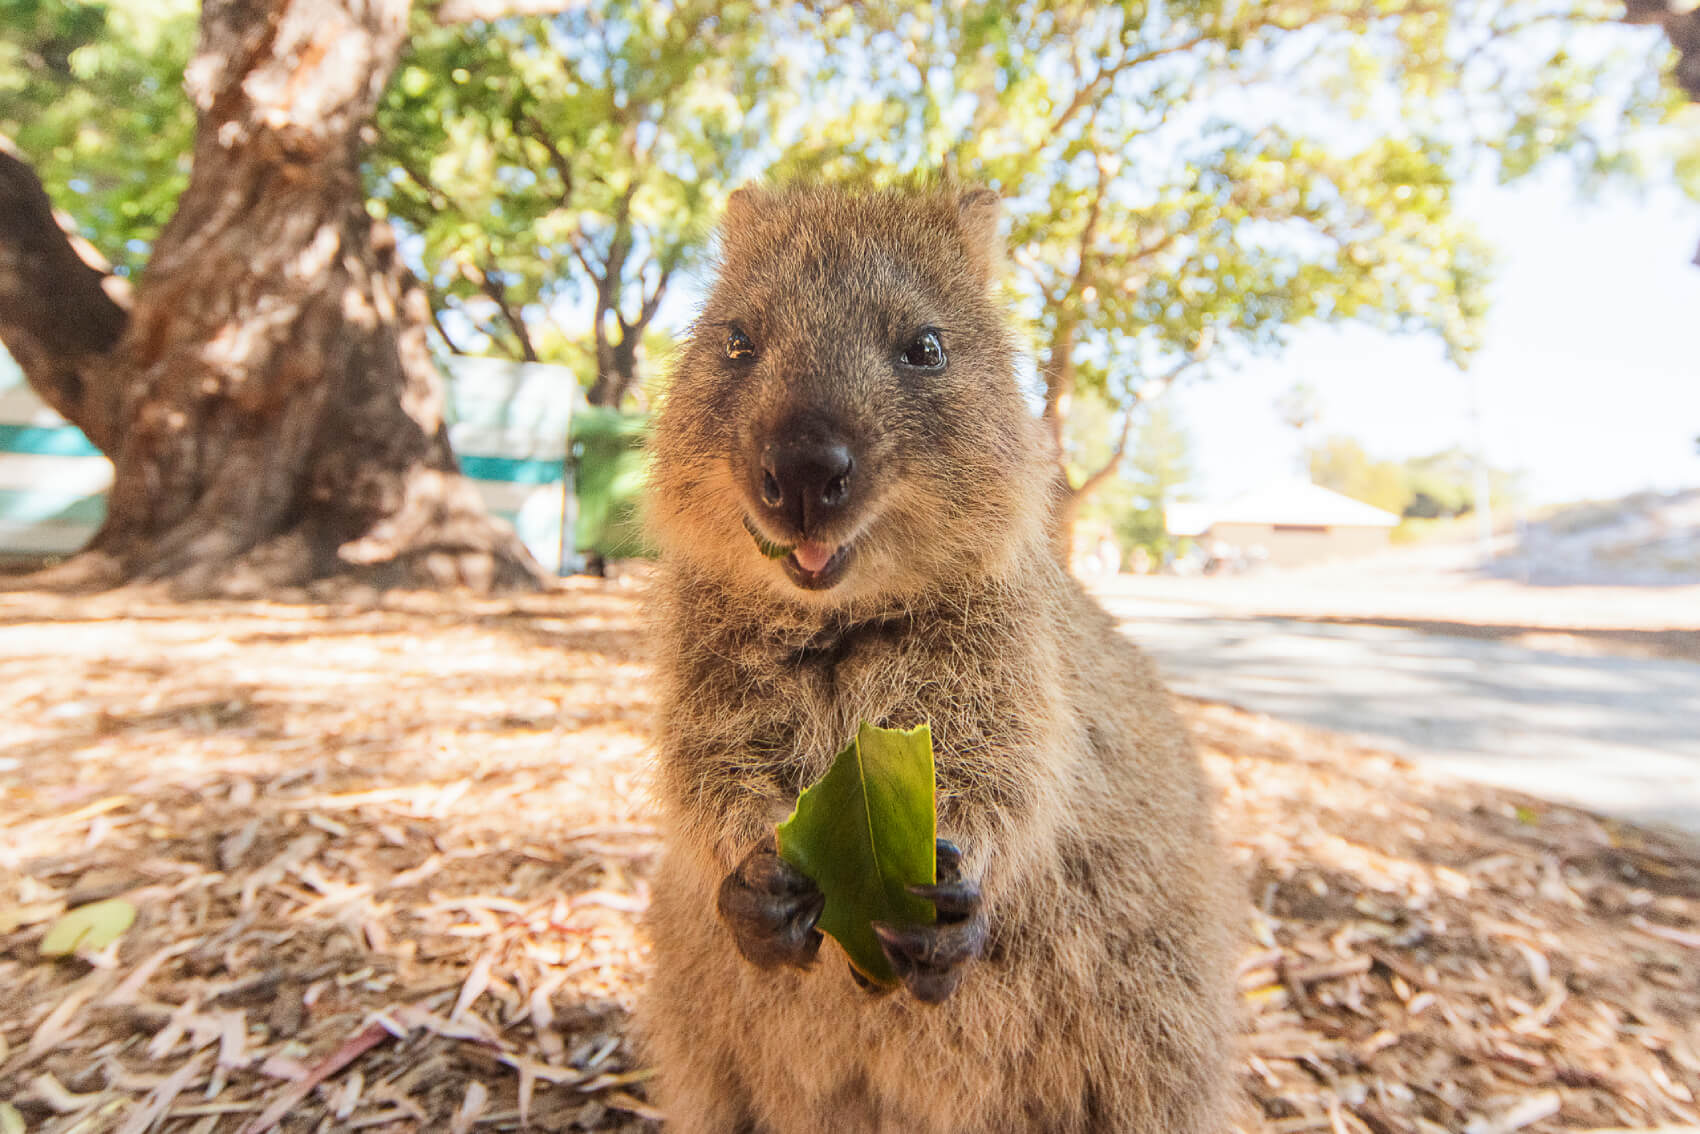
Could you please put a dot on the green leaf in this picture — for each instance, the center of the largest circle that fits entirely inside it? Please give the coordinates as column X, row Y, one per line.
column 87, row 928
column 864, row 832
column 771, row 550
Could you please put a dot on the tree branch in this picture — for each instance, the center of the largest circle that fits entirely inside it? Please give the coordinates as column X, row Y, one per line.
column 439, row 199
column 557, row 160
column 1089, row 232
column 497, row 293
column 1089, row 92
column 442, row 331
column 1059, row 361
column 1683, row 30
column 1035, row 273
column 1059, row 374
column 652, row 303
column 1109, row 467
column 1147, row 392
column 60, row 308
column 576, row 243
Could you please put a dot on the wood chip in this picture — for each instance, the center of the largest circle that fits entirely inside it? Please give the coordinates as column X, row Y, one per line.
column 143, row 1117
column 471, row 1108
column 1422, row 957
column 286, row 1099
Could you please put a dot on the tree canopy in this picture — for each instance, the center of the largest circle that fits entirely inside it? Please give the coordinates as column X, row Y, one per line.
column 1186, row 183
column 579, row 159
column 93, row 94
column 1429, row 487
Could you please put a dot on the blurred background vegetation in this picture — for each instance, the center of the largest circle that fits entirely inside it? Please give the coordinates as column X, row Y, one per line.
column 1187, row 183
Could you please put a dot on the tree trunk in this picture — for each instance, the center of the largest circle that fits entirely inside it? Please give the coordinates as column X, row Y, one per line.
column 1065, row 510
column 616, row 371
column 1058, row 375
column 279, row 418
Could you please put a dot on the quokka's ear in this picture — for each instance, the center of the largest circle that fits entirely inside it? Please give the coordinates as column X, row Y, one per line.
column 977, row 214
column 745, row 207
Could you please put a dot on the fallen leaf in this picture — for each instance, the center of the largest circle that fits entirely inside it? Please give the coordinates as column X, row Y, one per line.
column 88, row 928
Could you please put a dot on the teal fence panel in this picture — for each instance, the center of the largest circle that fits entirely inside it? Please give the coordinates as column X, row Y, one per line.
column 509, row 424
column 52, row 481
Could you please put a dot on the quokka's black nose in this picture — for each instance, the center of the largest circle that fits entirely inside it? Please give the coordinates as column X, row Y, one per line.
column 805, row 480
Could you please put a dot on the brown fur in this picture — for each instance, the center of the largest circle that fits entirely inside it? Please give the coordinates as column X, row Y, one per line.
column 1100, row 1006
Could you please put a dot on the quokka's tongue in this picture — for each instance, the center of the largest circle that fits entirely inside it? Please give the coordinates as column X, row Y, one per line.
column 812, row 556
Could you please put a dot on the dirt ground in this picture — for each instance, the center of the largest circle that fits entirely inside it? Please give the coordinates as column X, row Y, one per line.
column 389, row 859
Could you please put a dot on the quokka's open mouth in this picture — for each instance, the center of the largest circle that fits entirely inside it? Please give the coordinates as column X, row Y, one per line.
column 812, row 565
column 816, row 567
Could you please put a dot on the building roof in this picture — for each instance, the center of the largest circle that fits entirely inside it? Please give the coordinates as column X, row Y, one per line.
column 1188, row 519
column 1288, row 502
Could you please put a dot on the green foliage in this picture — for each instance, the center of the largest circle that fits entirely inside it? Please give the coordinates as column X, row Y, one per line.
column 1341, row 464
column 1438, row 486
column 1188, row 183
column 1088, row 441
column 92, row 93
column 1185, row 183
column 573, row 162
column 767, row 548
column 1156, row 472
column 864, row 832
column 1162, row 468
column 608, row 476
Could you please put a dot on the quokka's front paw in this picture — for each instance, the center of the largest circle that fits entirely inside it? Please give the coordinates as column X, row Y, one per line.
column 771, row 908
column 931, row 960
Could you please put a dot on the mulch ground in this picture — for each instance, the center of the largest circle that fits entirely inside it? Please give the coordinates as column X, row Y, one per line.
column 389, row 860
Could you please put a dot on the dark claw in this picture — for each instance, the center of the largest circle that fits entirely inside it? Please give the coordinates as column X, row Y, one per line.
column 949, row 858
column 771, row 908
column 954, row 901
column 953, row 898
column 931, row 960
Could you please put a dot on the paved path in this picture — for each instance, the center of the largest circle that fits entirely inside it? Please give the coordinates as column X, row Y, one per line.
column 1619, row 735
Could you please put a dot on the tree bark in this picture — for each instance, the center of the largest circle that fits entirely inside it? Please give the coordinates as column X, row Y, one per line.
column 278, row 417
column 1058, row 375
column 616, row 369
column 60, row 308
column 1683, row 30
column 617, row 362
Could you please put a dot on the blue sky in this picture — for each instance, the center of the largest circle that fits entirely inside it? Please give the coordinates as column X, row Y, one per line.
column 1589, row 379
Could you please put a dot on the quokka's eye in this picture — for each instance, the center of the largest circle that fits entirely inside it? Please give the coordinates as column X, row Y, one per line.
column 925, row 353
column 739, row 347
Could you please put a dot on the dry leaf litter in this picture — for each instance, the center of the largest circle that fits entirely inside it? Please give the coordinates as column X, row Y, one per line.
column 389, row 857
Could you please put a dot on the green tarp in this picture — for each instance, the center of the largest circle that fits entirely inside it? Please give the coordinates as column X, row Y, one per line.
column 608, row 471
